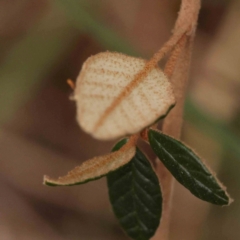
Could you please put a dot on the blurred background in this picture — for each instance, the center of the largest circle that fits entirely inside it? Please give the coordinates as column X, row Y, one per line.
column 45, row 42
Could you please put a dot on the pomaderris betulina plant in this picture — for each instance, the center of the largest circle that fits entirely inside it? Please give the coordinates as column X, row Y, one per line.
column 119, row 96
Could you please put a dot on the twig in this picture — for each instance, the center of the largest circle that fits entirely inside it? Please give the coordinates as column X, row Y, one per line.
column 177, row 69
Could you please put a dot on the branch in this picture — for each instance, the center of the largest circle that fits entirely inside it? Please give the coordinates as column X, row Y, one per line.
column 177, row 69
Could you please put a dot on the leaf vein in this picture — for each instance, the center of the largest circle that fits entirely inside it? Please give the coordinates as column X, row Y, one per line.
column 148, row 210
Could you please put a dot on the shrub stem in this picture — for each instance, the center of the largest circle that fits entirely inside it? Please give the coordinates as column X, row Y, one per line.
column 177, row 69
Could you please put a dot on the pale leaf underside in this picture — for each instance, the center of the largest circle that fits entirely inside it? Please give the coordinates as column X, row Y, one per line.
column 95, row 167
column 113, row 100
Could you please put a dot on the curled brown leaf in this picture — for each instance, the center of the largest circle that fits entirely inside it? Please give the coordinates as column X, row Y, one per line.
column 96, row 167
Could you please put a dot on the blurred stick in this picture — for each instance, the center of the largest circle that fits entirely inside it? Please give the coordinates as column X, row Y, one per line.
column 178, row 67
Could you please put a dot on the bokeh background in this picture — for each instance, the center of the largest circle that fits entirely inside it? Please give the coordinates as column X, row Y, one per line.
column 45, row 42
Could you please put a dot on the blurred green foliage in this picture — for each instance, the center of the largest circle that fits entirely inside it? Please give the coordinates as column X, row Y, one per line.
column 87, row 22
column 30, row 60
column 212, row 127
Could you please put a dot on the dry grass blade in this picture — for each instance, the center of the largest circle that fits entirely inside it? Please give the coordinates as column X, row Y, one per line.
column 96, row 167
column 118, row 95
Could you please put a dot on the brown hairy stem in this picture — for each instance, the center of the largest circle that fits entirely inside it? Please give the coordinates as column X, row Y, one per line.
column 71, row 84
column 151, row 64
column 169, row 70
column 133, row 139
column 185, row 25
column 173, row 59
column 177, row 69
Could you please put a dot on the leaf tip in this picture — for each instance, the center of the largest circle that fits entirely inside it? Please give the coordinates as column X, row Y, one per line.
column 229, row 200
column 48, row 181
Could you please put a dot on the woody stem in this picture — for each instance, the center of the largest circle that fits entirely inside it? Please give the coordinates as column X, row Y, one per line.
column 177, row 69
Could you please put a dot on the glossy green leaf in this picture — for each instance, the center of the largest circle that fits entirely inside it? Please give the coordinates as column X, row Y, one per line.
column 187, row 168
column 135, row 196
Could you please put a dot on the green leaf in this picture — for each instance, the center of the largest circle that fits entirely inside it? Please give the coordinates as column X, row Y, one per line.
column 135, row 196
column 187, row 168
